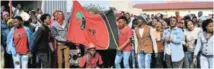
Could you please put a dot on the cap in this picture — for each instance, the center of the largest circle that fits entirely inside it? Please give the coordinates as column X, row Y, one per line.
column 4, row 13
column 143, row 18
column 91, row 46
column 25, row 16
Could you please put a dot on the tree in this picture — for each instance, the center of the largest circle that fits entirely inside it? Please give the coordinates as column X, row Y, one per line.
column 94, row 8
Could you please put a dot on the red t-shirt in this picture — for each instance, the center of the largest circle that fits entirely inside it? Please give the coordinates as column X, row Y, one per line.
column 91, row 62
column 179, row 18
column 124, row 35
column 20, row 40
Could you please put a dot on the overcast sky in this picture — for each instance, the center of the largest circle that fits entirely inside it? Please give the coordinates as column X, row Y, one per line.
column 106, row 3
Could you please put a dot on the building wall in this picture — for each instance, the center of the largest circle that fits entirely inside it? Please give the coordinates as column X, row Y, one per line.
column 125, row 5
column 48, row 6
column 26, row 5
column 184, row 12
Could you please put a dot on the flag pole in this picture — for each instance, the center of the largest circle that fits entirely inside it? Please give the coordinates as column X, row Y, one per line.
column 10, row 2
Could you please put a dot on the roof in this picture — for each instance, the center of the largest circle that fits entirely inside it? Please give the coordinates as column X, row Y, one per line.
column 175, row 5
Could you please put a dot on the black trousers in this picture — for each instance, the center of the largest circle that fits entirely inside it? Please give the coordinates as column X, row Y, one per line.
column 178, row 64
column 168, row 61
column 108, row 57
column 159, row 60
column 42, row 60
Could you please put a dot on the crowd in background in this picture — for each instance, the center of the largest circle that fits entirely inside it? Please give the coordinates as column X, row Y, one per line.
column 156, row 41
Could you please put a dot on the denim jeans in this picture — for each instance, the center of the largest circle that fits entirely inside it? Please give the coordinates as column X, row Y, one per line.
column 20, row 61
column 186, row 61
column 144, row 60
column 190, row 57
column 133, row 59
column 206, row 62
column 125, row 55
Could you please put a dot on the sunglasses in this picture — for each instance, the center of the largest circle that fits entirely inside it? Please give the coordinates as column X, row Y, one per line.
column 181, row 22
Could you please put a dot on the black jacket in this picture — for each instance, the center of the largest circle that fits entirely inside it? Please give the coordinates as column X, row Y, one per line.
column 41, row 39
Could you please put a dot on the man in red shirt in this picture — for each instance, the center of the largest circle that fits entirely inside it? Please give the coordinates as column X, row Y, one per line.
column 124, row 49
column 91, row 59
column 178, row 16
column 18, row 43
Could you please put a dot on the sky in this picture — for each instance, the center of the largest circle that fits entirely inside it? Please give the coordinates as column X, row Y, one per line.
column 105, row 3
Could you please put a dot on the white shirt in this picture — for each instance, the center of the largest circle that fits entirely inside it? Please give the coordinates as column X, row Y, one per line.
column 37, row 25
column 130, row 23
column 16, row 11
column 191, row 36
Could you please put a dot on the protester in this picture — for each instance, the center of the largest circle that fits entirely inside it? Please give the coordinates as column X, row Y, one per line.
column 154, row 22
column 148, row 17
column 40, row 46
column 133, row 42
column 19, row 43
column 178, row 16
column 195, row 21
column 200, row 16
column 151, row 40
column 2, row 9
column 200, row 23
column 173, row 48
column 4, row 32
column 124, row 49
column 158, row 37
column 181, row 24
column 164, row 24
column 59, row 31
column 16, row 10
column 190, row 40
column 205, row 45
column 54, row 16
column 183, row 28
column 146, row 43
column 34, row 22
column 38, row 13
column 128, row 16
column 91, row 59
column 4, row 27
column 29, row 11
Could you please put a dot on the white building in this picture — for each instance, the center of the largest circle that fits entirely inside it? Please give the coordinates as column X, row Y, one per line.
column 170, row 8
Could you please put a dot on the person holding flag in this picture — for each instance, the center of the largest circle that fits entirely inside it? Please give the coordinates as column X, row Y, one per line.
column 124, row 49
column 59, row 31
column 99, row 29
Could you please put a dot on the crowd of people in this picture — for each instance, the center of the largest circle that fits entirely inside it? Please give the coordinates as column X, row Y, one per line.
column 145, row 41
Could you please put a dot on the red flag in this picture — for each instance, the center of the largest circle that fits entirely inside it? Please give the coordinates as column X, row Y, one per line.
column 85, row 28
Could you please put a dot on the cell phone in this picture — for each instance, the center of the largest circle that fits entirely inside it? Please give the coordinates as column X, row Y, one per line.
column 195, row 41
